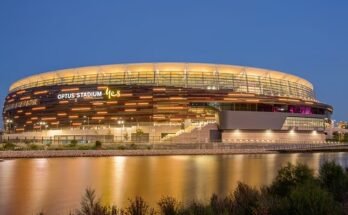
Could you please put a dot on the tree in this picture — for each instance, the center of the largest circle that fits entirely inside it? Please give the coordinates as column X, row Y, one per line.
column 289, row 177
column 333, row 178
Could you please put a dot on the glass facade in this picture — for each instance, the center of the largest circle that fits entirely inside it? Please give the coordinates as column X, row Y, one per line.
column 215, row 80
column 301, row 123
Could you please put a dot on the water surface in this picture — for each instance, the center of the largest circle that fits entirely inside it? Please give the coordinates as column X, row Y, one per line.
column 55, row 185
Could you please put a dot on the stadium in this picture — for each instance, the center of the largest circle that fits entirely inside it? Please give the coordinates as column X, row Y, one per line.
column 165, row 103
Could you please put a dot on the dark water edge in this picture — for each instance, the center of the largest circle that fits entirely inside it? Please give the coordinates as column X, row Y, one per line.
column 55, row 185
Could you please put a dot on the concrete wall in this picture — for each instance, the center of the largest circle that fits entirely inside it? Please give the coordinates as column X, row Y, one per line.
column 255, row 120
column 269, row 136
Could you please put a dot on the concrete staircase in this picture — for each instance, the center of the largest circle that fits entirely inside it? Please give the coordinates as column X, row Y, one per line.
column 191, row 134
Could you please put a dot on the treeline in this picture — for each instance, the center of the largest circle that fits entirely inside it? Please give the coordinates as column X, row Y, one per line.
column 295, row 190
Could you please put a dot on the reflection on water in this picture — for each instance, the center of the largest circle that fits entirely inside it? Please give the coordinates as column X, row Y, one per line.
column 55, row 185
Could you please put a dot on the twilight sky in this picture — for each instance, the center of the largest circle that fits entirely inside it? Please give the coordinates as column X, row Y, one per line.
column 305, row 38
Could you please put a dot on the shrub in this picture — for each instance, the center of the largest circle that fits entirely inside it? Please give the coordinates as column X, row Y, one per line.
column 333, row 178
column 139, row 207
column 217, row 205
column 73, row 143
column 133, row 146
column 310, row 199
column 121, row 147
column 169, row 206
column 98, row 144
column 33, row 147
column 245, row 199
column 9, row 146
column 290, row 176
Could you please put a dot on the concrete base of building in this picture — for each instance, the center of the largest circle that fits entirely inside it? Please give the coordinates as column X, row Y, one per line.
column 171, row 133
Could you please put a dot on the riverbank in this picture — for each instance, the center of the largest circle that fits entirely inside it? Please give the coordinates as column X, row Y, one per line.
column 105, row 153
column 158, row 150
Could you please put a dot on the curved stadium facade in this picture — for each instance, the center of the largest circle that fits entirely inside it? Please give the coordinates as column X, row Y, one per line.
column 161, row 102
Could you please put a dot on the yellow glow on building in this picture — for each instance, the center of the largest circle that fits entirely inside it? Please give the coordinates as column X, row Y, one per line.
column 70, row 89
column 145, row 97
column 39, row 108
column 41, row 92
column 81, row 109
column 97, row 103
column 130, row 110
column 63, row 102
column 170, row 108
column 34, row 118
column 102, row 112
column 48, row 118
column 97, row 117
column 73, row 116
column 62, row 114
column 25, row 98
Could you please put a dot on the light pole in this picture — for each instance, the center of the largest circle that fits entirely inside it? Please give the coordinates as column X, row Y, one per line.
column 121, row 122
column 8, row 124
column 87, row 120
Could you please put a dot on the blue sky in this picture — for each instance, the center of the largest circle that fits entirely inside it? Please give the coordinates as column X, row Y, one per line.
column 305, row 38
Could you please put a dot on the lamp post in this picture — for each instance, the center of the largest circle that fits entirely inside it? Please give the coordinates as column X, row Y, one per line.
column 87, row 120
column 8, row 124
column 121, row 122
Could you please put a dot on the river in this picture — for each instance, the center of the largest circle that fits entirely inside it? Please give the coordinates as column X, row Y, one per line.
column 55, row 185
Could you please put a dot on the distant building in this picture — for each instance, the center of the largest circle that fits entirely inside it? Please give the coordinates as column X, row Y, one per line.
column 166, row 102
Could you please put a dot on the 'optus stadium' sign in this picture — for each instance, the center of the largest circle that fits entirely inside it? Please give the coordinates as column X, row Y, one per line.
column 90, row 94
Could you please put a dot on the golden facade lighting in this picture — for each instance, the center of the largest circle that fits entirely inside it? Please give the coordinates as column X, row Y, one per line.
column 81, row 109
column 48, row 118
column 19, row 129
column 159, row 89
column 241, row 94
column 126, row 94
column 20, row 92
column 16, row 117
column 289, row 100
column 176, row 98
column 76, row 123
column 61, row 114
column 19, row 111
column 309, row 103
column 29, row 122
column 69, row 89
column 63, row 102
column 37, row 126
column 130, row 110
column 175, row 119
column 102, row 87
column 143, row 103
column 170, row 108
column 25, row 98
column 230, row 99
column 34, row 118
column 38, row 108
column 28, row 113
column 73, row 116
column 41, row 92
column 158, row 117
column 102, row 112
column 98, row 117
column 11, row 100
column 145, row 97
column 97, row 103
column 252, row 100
column 54, row 123
column 111, row 102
